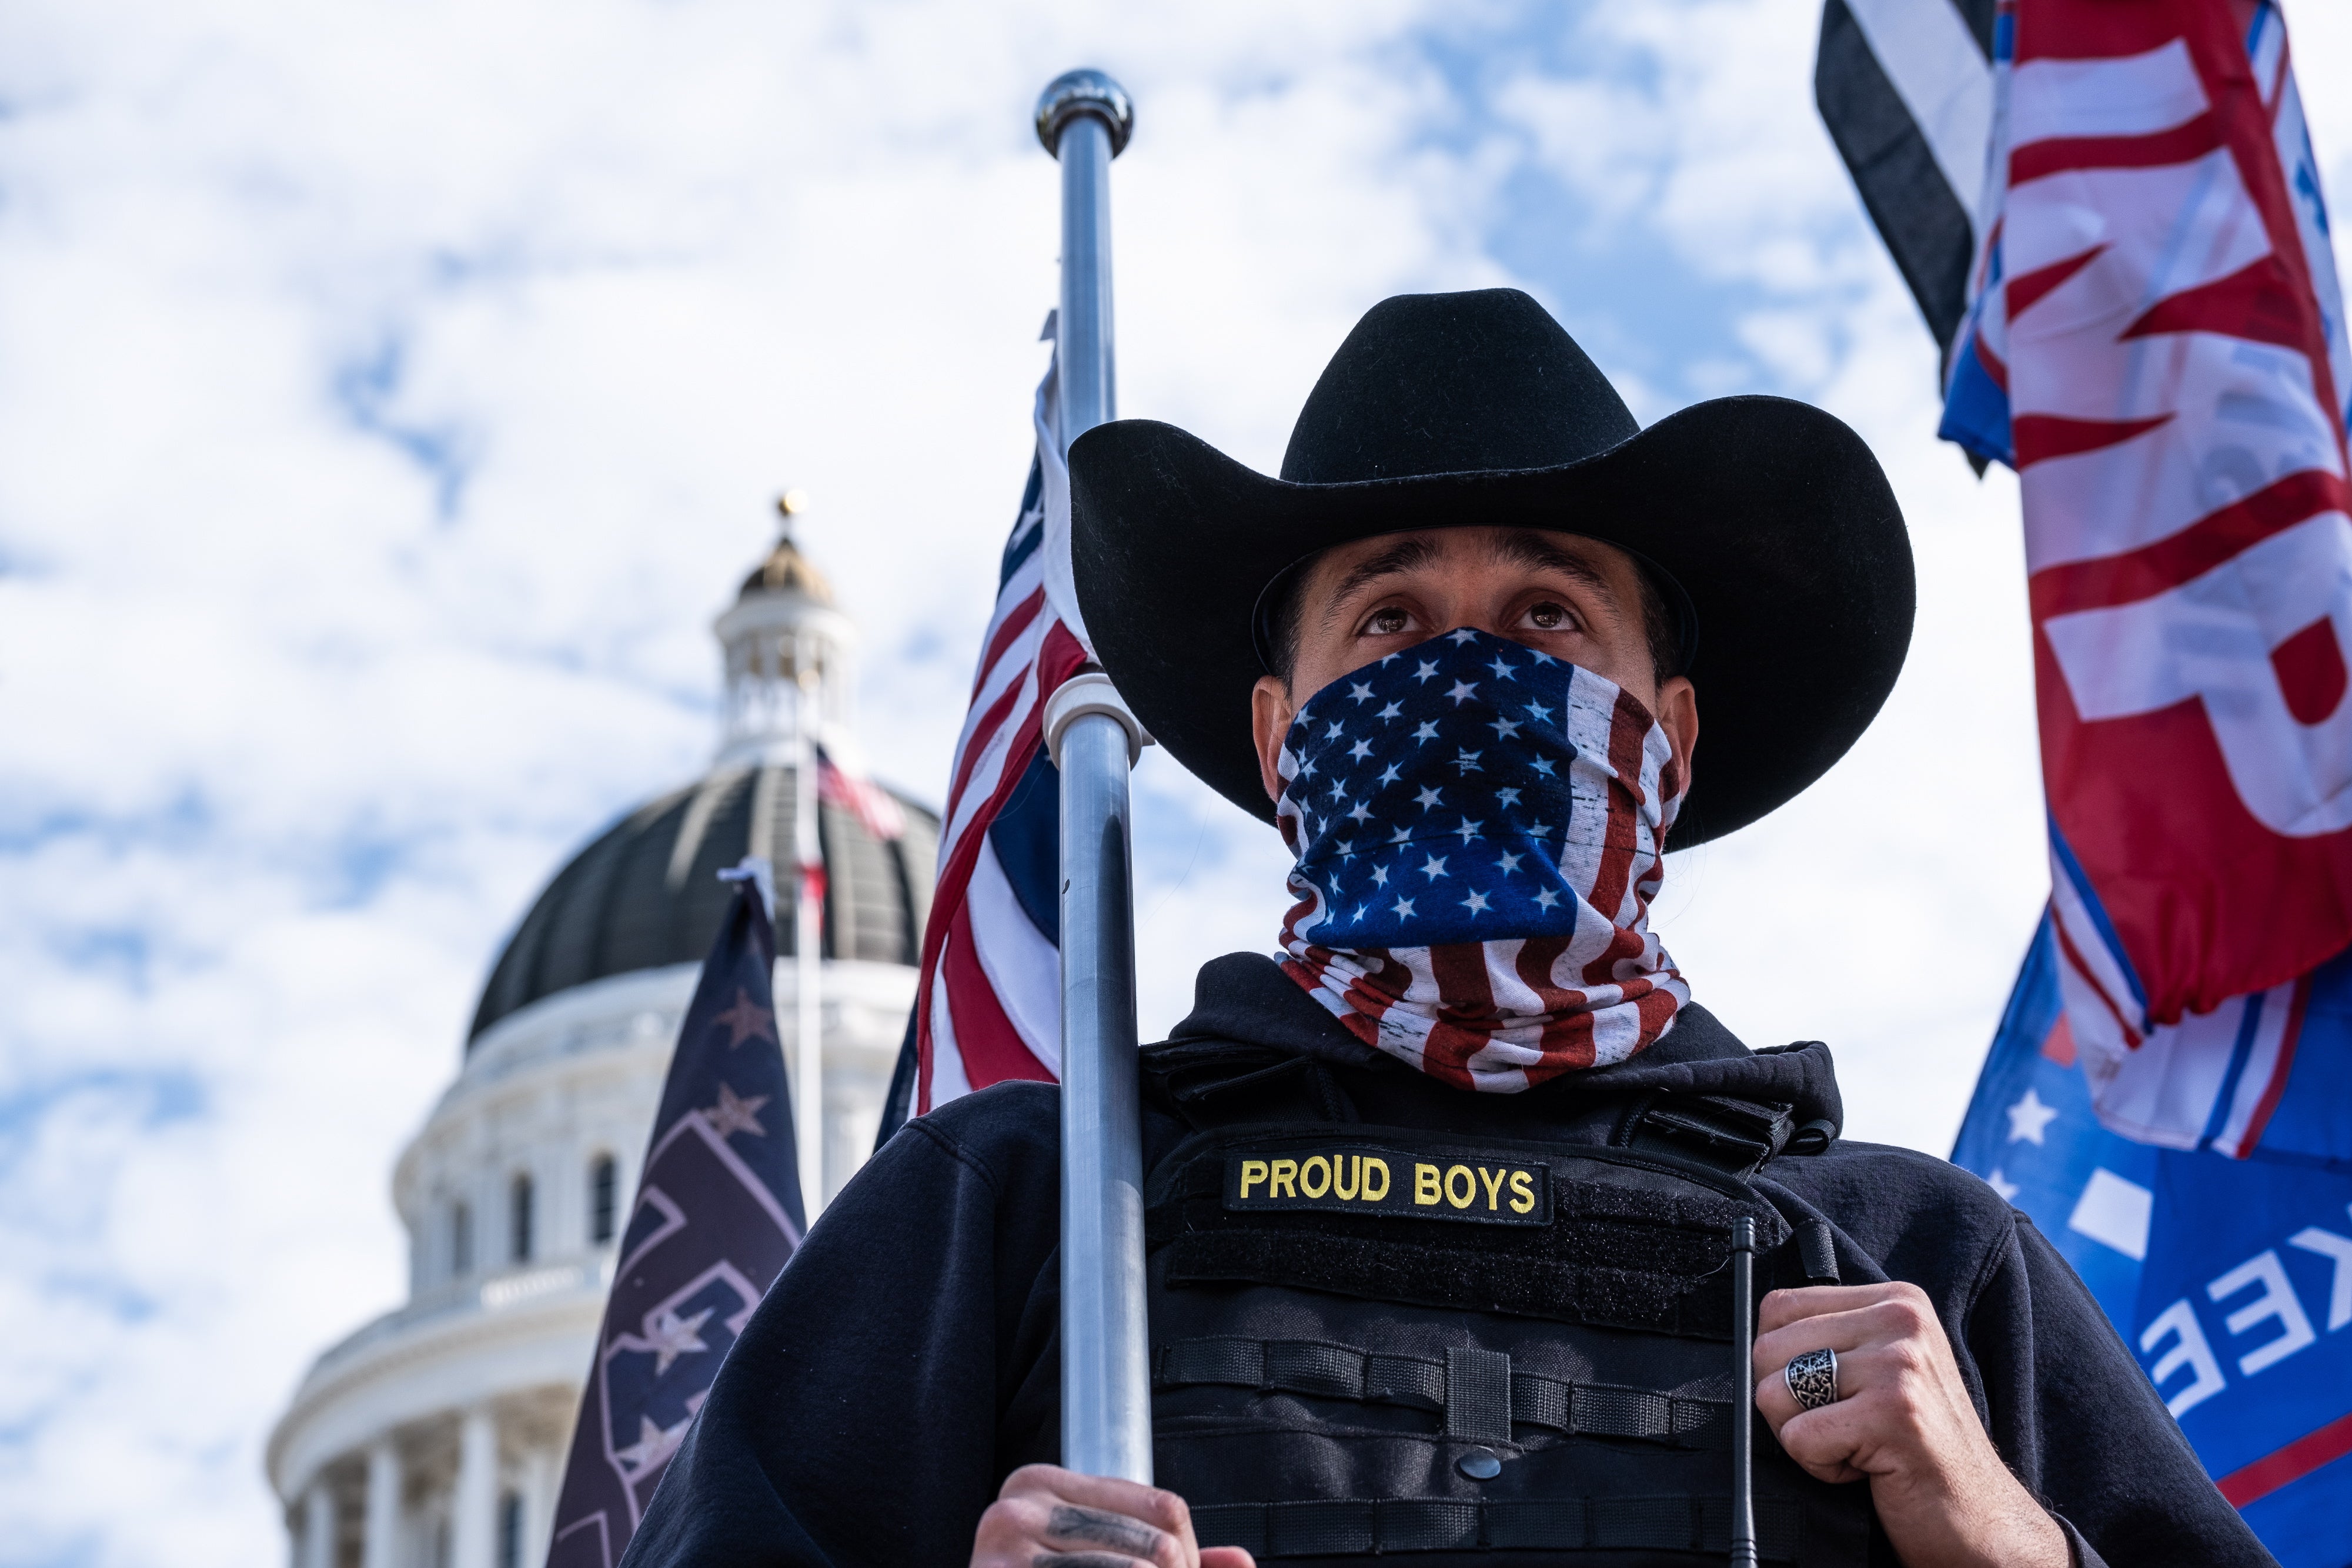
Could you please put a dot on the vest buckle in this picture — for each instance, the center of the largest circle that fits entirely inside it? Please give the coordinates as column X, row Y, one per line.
column 1736, row 1136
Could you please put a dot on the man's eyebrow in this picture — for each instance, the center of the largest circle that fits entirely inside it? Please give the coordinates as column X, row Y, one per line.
column 1523, row 548
column 1401, row 557
column 1520, row 546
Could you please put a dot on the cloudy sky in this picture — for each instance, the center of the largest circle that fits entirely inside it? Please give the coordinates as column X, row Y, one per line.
column 390, row 395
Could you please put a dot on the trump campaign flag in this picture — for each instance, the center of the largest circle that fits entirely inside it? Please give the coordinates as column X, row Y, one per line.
column 988, row 1006
column 718, row 1214
column 2155, row 343
column 2153, row 339
column 2231, row 1280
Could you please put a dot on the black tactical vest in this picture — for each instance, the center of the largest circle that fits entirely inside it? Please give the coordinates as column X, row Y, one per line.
column 1370, row 1341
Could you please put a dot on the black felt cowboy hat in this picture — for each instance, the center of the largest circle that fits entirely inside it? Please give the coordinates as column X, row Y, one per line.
column 1769, row 521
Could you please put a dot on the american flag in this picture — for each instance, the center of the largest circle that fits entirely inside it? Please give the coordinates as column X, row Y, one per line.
column 718, row 1213
column 988, row 1005
column 841, row 783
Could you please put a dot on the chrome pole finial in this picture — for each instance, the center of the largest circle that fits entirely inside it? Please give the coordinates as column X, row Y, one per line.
column 1080, row 92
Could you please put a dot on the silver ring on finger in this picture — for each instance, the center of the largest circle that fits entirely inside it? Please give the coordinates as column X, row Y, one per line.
column 1813, row 1378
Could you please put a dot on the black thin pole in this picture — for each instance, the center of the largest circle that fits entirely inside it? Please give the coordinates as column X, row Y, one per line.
column 1743, row 1398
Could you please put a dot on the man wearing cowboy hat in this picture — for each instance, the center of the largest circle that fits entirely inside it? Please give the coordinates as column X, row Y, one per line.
column 1439, row 1199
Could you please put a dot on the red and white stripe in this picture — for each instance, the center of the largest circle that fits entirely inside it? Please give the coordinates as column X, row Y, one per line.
column 2167, row 1091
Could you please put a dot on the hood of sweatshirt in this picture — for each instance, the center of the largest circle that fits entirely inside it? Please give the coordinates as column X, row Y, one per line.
column 1250, row 1023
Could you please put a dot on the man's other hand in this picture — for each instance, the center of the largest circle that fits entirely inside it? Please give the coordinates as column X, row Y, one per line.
column 1047, row 1517
column 1903, row 1421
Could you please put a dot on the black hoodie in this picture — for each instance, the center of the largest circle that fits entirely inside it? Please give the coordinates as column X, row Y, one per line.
column 906, row 1361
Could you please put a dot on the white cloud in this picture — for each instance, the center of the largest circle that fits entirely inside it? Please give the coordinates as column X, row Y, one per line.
column 390, row 392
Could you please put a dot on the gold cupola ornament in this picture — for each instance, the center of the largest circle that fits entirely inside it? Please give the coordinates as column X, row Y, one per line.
column 787, row 569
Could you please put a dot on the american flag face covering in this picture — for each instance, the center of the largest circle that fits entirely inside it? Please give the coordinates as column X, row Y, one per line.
column 1479, row 829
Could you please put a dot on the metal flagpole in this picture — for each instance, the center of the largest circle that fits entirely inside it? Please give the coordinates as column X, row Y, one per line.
column 1084, row 118
column 808, row 937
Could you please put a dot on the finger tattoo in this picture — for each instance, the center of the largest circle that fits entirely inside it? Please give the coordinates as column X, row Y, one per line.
column 1080, row 1559
column 1115, row 1530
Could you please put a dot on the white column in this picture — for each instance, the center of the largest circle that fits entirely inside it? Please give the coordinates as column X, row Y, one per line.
column 380, row 1548
column 474, row 1507
column 318, row 1550
column 541, row 1476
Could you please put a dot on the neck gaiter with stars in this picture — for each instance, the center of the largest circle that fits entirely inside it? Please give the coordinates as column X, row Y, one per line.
column 1479, row 829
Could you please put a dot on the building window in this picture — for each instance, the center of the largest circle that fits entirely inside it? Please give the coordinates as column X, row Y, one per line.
column 518, row 1224
column 461, row 1239
column 603, row 1197
column 510, row 1530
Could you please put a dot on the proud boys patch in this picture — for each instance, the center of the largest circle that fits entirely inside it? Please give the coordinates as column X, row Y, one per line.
column 1366, row 1179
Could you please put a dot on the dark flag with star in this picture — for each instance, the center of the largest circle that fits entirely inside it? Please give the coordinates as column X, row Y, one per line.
column 718, row 1213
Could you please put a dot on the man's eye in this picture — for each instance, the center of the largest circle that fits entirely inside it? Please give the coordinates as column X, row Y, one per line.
column 1549, row 617
column 1387, row 622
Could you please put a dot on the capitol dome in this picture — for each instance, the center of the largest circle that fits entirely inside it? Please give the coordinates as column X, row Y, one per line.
column 434, row 1437
column 646, row 893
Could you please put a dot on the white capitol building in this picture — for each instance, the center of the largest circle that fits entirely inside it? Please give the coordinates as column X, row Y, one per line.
column 435, row 1437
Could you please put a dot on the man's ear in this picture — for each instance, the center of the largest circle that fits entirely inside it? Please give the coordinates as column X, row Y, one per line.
column 1270, row 716
column 1678, row 716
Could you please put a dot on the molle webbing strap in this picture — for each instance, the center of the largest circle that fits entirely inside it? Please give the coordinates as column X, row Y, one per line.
column 1304, row 1367
column 1376, row 1268
column 1479, row 1396
column 1477, row 1392
column 1817, row 1252
column 1603, row 1410
column 1364, row 1526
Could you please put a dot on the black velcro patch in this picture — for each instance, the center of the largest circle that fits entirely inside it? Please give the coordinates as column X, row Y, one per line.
column 1361, row 1179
